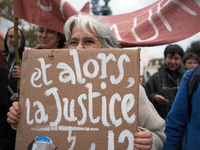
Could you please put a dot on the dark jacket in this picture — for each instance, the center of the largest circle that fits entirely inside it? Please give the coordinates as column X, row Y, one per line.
column 7, row 134
column 165, row 83
column 11, row 57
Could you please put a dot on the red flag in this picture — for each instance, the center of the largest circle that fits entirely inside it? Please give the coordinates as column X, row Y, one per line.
column 161, row 23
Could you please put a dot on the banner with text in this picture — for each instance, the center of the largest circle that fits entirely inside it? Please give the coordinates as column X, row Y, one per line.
column 163, row 22
column 78, row 99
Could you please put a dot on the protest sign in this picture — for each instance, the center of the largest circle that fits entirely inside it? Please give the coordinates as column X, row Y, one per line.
column 78, row 99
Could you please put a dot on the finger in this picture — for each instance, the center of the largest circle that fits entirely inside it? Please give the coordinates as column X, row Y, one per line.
column 13, row 112
column 16, row 107
column 16, row 76
column 14, row 98
column 14, row 71
column 12, row 123
column 142, row 147
column 164, row 101
column 143, row 141
column 16, row 68
column 143, row 134
column 12, row 119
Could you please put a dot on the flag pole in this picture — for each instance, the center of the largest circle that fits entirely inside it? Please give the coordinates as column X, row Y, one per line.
column 16, row 50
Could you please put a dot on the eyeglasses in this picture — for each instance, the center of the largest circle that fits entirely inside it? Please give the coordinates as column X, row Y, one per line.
column 87, row 43
column 12, row 36
column 47, row 31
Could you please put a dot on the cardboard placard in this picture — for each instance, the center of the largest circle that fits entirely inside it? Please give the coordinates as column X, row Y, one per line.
column 78, row 99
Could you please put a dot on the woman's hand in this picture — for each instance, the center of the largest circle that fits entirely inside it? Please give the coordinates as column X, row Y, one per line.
column 13, row 114
column 143, row 140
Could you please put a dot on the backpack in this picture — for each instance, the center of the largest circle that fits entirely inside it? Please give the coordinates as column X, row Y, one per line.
column 192, row 86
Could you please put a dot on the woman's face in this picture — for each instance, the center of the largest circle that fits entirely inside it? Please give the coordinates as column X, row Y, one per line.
column 173, row 61
column 81, row 40
column 48, row 39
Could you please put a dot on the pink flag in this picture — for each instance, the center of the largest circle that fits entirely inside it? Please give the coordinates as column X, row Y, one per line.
column 164, row 22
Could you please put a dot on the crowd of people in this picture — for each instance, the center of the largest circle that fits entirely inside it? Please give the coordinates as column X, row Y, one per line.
column 47, row 39
column 158, row 99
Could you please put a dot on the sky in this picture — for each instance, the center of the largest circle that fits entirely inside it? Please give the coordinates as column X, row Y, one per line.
column 126, row 6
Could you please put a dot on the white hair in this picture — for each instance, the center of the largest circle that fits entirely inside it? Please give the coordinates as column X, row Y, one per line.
column 99, row 29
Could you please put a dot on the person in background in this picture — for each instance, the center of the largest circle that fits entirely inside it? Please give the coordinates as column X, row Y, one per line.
column 7, row 134
column 87, row 32
column 182, row 126
column 47, row 39
column 12, row 82
column 161, row 88
column 190, row 60
column 9, row 48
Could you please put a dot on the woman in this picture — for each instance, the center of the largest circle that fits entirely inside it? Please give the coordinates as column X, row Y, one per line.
column 86, row 32
column 47, row 39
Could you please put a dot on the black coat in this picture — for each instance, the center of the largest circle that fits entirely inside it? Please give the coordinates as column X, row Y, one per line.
column 165, row 83
column 7, row 134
